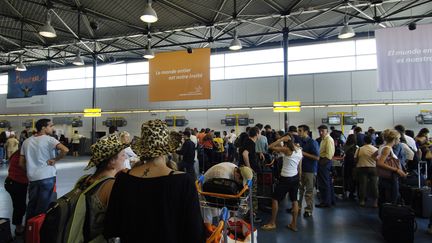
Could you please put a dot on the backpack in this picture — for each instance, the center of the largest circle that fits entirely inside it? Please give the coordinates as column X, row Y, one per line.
column 59, row 217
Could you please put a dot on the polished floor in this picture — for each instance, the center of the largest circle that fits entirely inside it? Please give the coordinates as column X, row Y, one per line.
column 345, row 223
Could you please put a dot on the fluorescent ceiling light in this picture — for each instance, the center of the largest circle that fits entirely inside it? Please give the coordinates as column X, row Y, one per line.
column 346, row 32
column 368, row 105
column 238, row 108
column 262, row 108
column 217, row 109
column 313, row 106
column 149, row 15
column 334, row 106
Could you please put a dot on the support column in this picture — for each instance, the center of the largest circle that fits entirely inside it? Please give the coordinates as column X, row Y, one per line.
column 93, row 133
column 285, row 50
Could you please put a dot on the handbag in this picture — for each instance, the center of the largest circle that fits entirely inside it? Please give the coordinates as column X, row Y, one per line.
column 390, row 161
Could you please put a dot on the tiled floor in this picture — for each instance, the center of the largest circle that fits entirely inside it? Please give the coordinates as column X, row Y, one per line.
column 345, row 223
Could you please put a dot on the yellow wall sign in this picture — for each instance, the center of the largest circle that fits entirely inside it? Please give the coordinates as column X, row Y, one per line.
column 180, row 76
column 92, row 112
column 286, row 106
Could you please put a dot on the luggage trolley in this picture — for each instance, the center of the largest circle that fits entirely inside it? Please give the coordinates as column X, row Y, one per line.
column 236, row 204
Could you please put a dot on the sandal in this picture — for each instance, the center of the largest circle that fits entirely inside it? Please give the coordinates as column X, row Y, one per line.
column 268, row 227
column 292, row 228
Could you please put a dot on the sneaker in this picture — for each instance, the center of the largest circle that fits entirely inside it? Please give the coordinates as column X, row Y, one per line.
column 257, row 220
column 307, row 214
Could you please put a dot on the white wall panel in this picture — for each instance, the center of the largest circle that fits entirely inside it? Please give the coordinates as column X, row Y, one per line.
column 332, row 87
column 301, row 87
column 364, row 87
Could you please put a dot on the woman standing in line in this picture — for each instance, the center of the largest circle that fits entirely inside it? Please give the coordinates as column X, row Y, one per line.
column 289, row 180
column 389, row 168
column 152, row 202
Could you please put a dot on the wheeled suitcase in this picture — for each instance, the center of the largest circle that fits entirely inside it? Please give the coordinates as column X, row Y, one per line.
column 5, row 231
column 398, row 223
column 33, row 227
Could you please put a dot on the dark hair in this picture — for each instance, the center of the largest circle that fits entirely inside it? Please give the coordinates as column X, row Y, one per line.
column 225, row 133
column 253, row 131
column 351, row 140
column 267, row 126
column 202, row 130
column 217, row 134
column 371, row 131
column 353, row 126
column 423, row 132
column 76, row 131
column 259, row 125
column 304, row 128
column 232, row 130
column 247, row 129
column 292, row 129
column 112, row 129
column 207, row 130
column 400, row 129
column 290, row 143
column 281, row 133
column 357, row 129
column 409, row 133
column 187, row 133
column 322, row 127
column 42, row 123
column 368, row 139
column 104, row 164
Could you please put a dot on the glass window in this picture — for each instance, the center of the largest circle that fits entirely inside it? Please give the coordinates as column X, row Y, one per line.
column 137, row 67
column 217, row 60
column 252, row 57
column 217, row 73
column 3, row 88
column 365, row 47
column 79, row 83
column 111, row 81
column 111, row 69
column 66, row 73
column 137, row 79
column 322, row 65
column 334, row 49
column 3, row 79
column 366, row 62
column 259, row 70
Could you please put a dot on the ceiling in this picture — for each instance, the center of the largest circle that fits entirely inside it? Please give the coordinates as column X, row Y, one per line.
column 111, row 30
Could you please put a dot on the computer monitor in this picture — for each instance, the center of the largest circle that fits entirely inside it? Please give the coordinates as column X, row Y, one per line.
column 350, row 120
column 334, row 120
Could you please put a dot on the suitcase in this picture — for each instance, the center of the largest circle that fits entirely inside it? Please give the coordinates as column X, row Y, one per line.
column 222, row 186
column 398, row 223
column 5, row 231
column 422, row 198
column 33, row 227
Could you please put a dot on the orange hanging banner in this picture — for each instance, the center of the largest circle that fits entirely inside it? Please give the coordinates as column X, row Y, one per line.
column 180, row 75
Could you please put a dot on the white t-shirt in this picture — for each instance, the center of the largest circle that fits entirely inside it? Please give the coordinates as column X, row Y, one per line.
column 411, row 143
column 223, row 170
column 37, row 151
column 290, row 163
column 129, row 155
column 194, row 139
column 232, row 137
column 391, row 152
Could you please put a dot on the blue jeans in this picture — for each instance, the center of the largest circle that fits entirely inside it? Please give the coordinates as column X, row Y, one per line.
column 41, row 194
column 1, row 153
column 324, row 182
column 388, row 190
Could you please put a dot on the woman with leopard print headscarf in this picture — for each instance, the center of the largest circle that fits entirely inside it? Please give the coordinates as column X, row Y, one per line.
column 152, row 202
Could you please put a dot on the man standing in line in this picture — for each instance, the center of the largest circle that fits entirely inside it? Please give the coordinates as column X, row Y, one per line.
column 37, row 158
column 248, row 157
column 310, row 150
column 231, row 148
column 261, row 146
column 188, row 152
column 325, row 163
